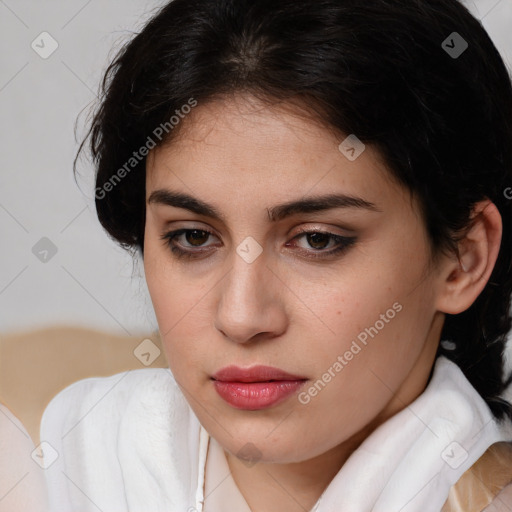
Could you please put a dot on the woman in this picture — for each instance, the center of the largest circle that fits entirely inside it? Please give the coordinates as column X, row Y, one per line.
column 318, row 189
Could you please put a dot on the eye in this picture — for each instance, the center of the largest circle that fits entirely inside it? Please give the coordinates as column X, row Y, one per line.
column 318, row 240
column 196, row 237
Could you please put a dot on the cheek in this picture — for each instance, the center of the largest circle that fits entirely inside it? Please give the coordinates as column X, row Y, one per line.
column 375, row 319
column 360, row 368
column 180, row 306
column 170, row 292
column 351, row 303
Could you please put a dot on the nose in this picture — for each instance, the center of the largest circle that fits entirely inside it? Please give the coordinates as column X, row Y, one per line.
column 250, row 305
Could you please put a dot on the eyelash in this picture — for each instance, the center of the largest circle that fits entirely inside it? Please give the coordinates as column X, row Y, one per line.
column 344, row 243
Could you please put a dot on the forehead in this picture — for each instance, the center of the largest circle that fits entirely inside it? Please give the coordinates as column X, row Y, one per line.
column 245, row 122
column 244, row 147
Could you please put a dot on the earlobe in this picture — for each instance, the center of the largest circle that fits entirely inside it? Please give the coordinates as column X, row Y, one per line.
column 465, row 277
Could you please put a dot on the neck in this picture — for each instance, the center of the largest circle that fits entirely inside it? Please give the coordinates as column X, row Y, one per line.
column 292, row 487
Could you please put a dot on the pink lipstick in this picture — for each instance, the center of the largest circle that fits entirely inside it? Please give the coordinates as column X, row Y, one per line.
column 255, row 388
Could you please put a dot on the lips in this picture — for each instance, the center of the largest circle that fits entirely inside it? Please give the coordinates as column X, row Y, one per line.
column 253, row 374
column 257, row 387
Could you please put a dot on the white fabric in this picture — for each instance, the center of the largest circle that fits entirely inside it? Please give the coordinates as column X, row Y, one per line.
column 131, row 443
column 22, row 481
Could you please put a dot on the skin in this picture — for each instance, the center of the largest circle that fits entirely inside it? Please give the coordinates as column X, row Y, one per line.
column 286, row 309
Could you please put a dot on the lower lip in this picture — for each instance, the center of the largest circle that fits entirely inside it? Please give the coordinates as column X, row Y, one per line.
column 252, row 396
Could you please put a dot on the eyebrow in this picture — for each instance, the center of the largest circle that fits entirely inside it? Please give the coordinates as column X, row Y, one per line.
column 275, row 213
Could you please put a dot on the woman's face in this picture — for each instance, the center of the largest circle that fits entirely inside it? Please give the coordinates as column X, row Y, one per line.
column 349, row 310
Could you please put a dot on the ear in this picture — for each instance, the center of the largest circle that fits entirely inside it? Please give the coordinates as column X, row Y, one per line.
column 464, row 278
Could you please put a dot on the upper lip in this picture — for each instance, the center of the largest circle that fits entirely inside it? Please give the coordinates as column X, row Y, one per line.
column 257, row 373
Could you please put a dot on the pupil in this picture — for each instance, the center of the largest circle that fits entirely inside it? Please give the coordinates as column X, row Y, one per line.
column 193, row 236
column 316, row 238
